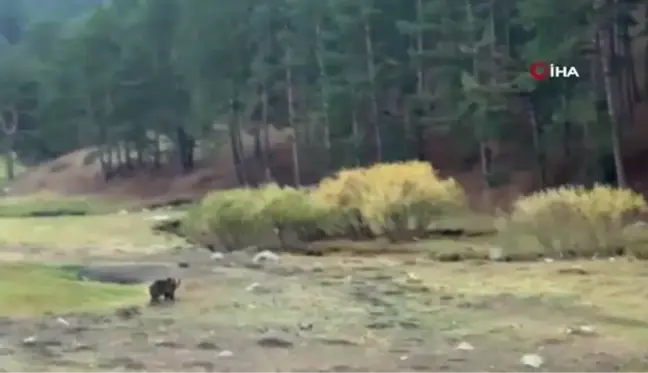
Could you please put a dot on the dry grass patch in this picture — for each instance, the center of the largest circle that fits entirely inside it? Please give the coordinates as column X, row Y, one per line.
column 102, row 234
column 491, row 297
column 504, row 309
column 610, row 295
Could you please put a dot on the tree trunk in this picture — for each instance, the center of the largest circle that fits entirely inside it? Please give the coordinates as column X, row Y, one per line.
column 371, row 74
column 538, row 146
column 605, row 53
column 324, row 97
column 157, row 152
column 9, row 127
column 186, row 147
column 9, row 158
column 265, row 156
column 234, row 133
column 355, row 129
column 291, row 117
column 484, row 150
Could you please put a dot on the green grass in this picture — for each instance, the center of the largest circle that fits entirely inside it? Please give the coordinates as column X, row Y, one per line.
column 30, row 289
column 103, row 234
column 44, row 204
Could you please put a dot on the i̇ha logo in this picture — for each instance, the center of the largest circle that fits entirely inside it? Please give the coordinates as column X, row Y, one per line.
column 541, row 70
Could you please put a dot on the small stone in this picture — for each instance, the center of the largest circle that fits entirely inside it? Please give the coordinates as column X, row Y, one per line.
column 259, row 289
column 403, row 358
column 548, row 260
column 465, row 346
column 225, row 353
column 29, row 340
column 265, row 256
column 62, row 321
column 169, row 344
column 217, row 256
column 495, row 253
column 161, row 218
column 183, row 265
column 413, row 278
column 581, row 330
column 252, row 286
column 532, row 360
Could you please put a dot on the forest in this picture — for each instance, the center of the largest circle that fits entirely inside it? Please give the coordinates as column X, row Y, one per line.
column 357, row 81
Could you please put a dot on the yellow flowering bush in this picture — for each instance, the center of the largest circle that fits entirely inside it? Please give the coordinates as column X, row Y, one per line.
column 574, row 220
column 398, row 200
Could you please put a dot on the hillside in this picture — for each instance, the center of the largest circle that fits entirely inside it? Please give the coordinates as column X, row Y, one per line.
column 72, row 174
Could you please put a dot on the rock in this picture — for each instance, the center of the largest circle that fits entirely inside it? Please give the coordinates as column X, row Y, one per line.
column 532, row 360
column 274, row 341
column 161, row 218
column 305, row 326
column 413, row 278
column 465, row 346
column 265, row 256
column 225, row 353
column 29, row 341
column 496, row 253
column 169, row 344
column 217, row 256
column 257, row 288
column 548, row 260
column 80, row 347
column 183, row 265
column 62, row 321
column 581, row 330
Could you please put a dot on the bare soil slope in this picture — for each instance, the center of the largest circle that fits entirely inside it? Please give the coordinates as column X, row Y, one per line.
column 79, row 172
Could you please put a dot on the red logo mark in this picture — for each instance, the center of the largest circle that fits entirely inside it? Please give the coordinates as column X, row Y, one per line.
column 539, row 70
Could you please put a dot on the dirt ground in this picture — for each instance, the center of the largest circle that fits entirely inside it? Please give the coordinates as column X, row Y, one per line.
column 401, row 313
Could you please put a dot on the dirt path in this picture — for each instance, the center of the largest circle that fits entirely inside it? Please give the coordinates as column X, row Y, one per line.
column 329, row 314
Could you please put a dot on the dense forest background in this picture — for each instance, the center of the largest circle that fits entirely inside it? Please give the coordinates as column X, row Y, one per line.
column 154, row 83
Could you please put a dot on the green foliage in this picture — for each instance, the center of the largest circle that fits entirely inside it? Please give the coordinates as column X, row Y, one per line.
column 399, row 201
column 234, row 216
column 290, row 209
column 45, row 204
column 126, row 73
column 33, row 290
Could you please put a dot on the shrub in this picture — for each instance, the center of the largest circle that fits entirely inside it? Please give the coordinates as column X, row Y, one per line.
column 290, row 209
column 575, row 220
column 398, row 200
column 233, row 215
